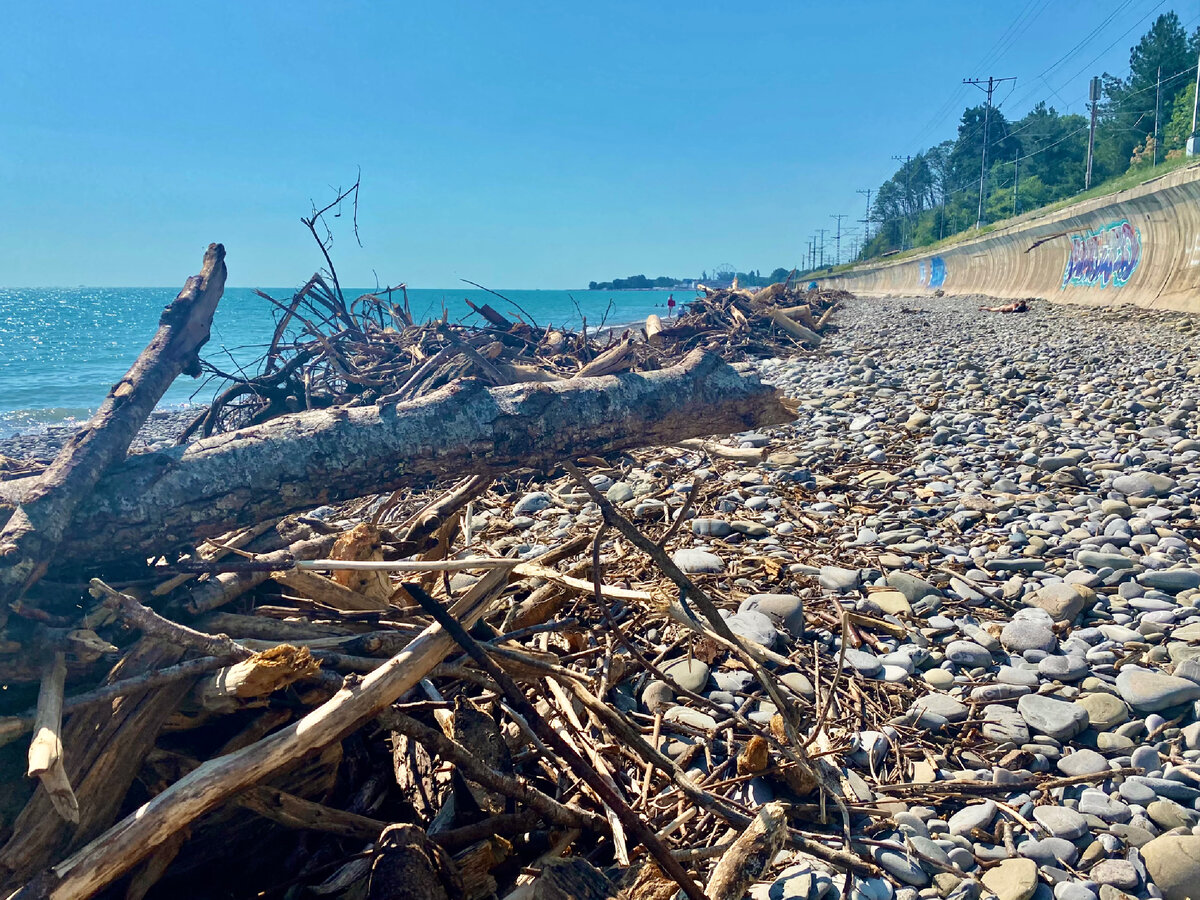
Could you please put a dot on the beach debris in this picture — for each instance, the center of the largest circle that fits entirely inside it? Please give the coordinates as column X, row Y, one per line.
column 935, row 636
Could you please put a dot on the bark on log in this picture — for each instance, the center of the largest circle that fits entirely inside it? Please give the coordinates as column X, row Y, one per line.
column 155, row 501
column 32, row 534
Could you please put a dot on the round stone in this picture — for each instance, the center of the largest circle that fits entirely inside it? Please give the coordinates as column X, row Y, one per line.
column 978, row 815
column 1104, row 711
column 784, row 609
column 968, row 654
column 698, row 562
column 1148, row 690
column 1021, row 635
column 1061, row 822
column 717, row 528
column 1056, row 718
column 1013, row 879
column 689, row 674
column 1063, row 601
column 1173, row 863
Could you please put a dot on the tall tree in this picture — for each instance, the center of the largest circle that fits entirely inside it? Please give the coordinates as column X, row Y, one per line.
column 1128, row 113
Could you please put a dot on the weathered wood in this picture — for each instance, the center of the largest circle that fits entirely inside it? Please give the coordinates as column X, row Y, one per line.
column 795, row 329
column 233, row 687
column 291, row 811
column 45, row 750
column 712, row 448
column 654, row 327
column 617, row 358
column 104, row 749
column 743, row 863
column 155, row 501
column 32, row 534
column 325, row 590
column 129, row 841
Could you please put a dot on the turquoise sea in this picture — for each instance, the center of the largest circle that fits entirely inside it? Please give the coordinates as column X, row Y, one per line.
column 62, row 348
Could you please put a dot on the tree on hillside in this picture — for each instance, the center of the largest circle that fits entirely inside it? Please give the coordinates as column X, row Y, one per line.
column 968, row 149
column 1128, row 111
column 1056, row 147
column 1179, row 127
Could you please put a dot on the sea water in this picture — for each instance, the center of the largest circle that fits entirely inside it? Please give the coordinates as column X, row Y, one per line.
column 61, row 349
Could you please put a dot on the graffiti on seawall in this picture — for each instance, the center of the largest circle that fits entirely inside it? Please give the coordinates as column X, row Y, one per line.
column 935, row 275
column 1108, row 255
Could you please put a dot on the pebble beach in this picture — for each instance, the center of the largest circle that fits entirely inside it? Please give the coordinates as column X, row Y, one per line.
column 1012, row 500
column 1016, row 495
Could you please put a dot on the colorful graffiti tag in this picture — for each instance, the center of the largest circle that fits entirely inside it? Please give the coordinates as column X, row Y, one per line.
column 935, row 275
column 1108, row 255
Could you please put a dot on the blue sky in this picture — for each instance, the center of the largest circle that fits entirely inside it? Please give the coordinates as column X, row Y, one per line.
column 514, row 144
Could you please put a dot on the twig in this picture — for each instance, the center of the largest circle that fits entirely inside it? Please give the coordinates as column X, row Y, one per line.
column 150, row 622
column 632, row 822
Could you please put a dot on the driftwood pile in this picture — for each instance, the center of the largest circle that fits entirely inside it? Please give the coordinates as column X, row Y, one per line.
column 298, row 656
column 741, row 325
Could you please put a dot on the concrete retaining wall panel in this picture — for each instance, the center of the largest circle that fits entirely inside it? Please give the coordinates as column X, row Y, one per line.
column 1138, row 246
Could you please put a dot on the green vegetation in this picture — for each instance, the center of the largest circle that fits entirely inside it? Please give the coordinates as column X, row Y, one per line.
column 1039, row 160
column 633, row 283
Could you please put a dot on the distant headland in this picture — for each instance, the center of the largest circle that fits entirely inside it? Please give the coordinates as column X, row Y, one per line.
column 719, row 278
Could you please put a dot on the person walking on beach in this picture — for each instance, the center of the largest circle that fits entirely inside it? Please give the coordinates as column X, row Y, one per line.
column 670, row 305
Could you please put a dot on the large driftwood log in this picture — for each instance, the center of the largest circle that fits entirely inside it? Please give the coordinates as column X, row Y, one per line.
column 157, row 501
column 31, row 535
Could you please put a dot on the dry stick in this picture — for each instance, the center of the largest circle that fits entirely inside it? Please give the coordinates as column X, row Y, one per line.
column 13, row 726
column 723, row 634
column 684, row 510
column 711, row 613
column 436, row 742
column 149, row 622
column 427, row 519
column 407, row 565
column 112, row 854
column 29, row 539
column 621, row 850
column 46, row 750
column 833, row 685
column 632, row 821
column 637, row 742
column 597, row 574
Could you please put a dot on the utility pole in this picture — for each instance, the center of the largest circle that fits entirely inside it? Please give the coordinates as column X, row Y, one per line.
column 866, row 222
column 987, row 112
column 838, row 259
column 1191, row 142
column 1157, row 104
column 1094, row 96
column 904, row 229
column 822, row 249
column 1016, row 181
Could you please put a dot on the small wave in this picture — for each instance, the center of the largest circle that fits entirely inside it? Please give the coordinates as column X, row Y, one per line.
column 38, row 421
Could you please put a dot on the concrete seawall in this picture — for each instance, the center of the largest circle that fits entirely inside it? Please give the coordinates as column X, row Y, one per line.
column 1140, row 246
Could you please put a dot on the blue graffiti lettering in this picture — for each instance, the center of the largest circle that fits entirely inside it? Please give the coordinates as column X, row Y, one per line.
column 1108, row 255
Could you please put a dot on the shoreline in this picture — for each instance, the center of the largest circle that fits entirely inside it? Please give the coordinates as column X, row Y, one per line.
column 41, row 443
